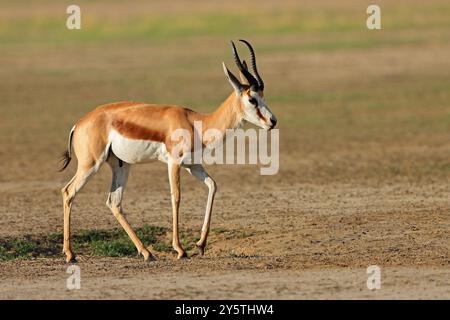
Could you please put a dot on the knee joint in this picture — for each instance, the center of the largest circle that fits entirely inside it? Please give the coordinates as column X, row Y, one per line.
column 113, row 201
column 211, row 185
column 67, row 198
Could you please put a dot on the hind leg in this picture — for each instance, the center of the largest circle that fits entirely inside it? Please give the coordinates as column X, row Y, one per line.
column 114, row 202
column 68, row 193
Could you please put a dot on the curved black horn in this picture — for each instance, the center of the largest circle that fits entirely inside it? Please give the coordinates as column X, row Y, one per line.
column 253, row 63
column 251, row 80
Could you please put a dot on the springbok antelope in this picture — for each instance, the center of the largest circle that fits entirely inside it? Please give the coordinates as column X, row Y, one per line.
column 126, row 133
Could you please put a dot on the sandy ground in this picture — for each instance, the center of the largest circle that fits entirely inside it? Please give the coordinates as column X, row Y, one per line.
column 305, row 241
column 195, row 280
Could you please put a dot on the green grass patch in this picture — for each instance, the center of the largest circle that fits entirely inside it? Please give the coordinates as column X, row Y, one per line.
column 162, row 247
column 218, row 230
column 265, row 20
column 101, row 242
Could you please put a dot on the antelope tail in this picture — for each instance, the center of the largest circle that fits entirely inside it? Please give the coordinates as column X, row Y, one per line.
column 67, row 154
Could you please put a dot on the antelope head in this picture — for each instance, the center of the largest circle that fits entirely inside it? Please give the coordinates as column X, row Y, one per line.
column 250, row 91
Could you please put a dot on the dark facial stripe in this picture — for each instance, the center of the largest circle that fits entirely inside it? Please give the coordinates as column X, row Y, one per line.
column 253, row 101
column 259, row 114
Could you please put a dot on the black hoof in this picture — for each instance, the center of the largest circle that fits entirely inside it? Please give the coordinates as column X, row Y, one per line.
column 182, row 256
column 201, row 249
column 71, row 260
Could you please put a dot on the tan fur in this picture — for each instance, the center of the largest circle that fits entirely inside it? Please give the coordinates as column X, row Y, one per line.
column 91, row 142
column 136, row 120
column 142, row 121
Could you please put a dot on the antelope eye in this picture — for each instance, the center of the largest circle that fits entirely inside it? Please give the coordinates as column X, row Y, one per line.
column 253, row 101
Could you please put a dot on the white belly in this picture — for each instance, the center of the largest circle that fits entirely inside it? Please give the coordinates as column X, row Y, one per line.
column 137, row 151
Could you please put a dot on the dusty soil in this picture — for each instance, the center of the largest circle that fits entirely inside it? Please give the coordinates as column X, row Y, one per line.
column 129, row 279
column 298, row 241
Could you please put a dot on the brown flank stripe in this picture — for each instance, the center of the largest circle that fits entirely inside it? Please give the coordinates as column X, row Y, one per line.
column 134, row 131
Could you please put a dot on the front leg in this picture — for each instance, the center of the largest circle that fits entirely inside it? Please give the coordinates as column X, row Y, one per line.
column 199, row 172
column 174, row 180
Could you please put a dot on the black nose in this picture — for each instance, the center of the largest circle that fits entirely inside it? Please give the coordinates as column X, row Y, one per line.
column 274, row 122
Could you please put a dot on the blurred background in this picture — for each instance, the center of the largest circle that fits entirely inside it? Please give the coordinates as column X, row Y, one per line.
column 352, row 103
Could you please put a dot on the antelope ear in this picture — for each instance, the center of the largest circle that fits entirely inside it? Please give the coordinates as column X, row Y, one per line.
column 241, row 76
column 237, row 86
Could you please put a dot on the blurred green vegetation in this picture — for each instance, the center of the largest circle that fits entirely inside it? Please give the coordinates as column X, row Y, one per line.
column 107, row 243
column 332, row 83
column 148, row 25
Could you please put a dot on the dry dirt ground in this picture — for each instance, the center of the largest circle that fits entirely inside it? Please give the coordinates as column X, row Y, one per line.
column 288, row 241
column 364, row 124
